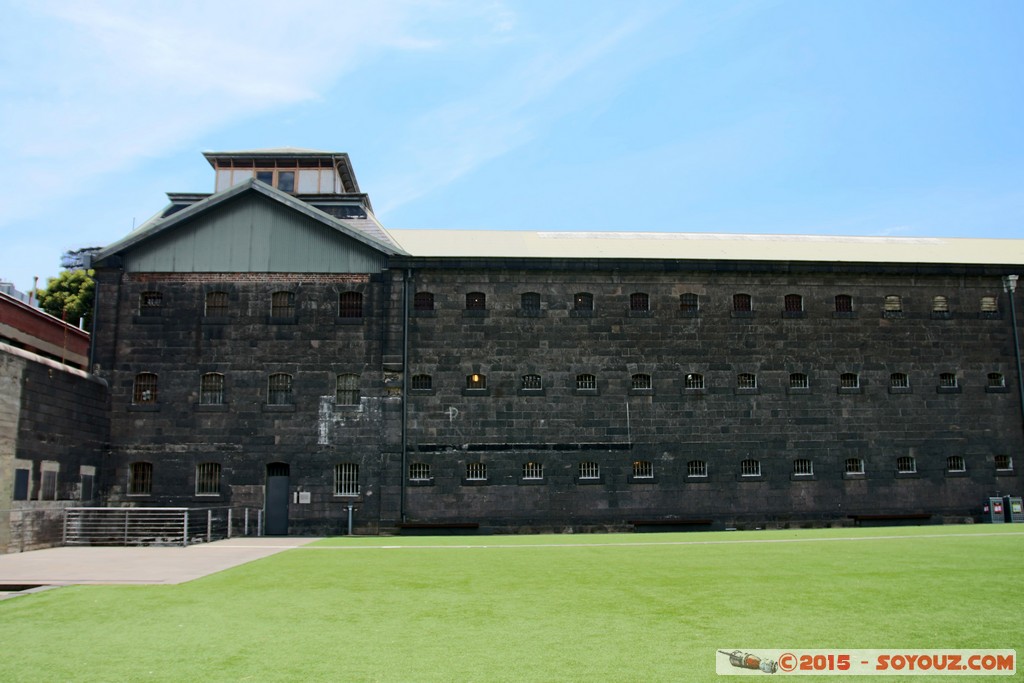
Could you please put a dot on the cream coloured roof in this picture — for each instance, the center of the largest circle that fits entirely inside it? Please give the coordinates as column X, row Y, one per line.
column 707, row 246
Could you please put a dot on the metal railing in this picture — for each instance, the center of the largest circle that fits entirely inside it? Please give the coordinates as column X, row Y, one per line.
column 157, row 526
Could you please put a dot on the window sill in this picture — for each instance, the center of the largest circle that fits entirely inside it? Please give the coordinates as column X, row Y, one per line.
column 802, row 477
column 354, row 320
column 689, row 314
column 990, row 316
column 947, row 390
column 838, row 315
column 424, row 314
column 641, row 480
column 528, row 313
column 794, row 314
column 421, row 392
column 942, row 315
column 900, row 390
column 588, row 481
column 585, row 392
column 475, row 482
column 1006, row 473
column 854, row 475
column 278, row 408
column 641, row 392
column 476, row 392
column 907, row 475
column 750, row 477
column 849, row 390
column 694, row 392
column 742, row 314
column 576, row 313
column 144, row 408
column 210, row 407
column 532, row 482
column 954, row 474
column 997, row 390
column 530, row 392
column 640, row 314
column 696, row 478
column 420, row 482
column 208, row 495
column 474, row 313
column 746, row 391
column 798, row 391
column 346, row 407
column 892, row 314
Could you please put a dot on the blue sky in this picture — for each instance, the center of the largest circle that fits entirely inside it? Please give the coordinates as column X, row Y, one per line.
column 899, row 118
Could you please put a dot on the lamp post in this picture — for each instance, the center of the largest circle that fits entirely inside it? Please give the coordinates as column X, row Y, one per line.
column 1010, row 286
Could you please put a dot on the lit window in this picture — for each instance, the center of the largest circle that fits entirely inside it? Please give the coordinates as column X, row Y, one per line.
column 639, row 301
column 688, row 302
column 208, row 479
column 530, row 301
column 347, row 390
column 694, row 380
column 955, row 463
column 216, row 304
column 803, row 467
column 893, row 304
column 476, row 471
column 423, row 301
column 794, row 303
column 940, row 304
column 476, row 381
column 583, row 301
column 211, row 389
column 531, row 382
column 849, row 380
column 643, row 469
column 279, row 389
column 741, row 303
column 419, row 471
column 844, row 303
column 697, row 468
column 590, row 470
column 350, row 305
column 1004, row 462
column 346, row 479
column 798, row 380
column 533, row 470
column 996, row 380
column 282, row 304
column 899, row 380
column 422, row 382
column 640, row 381
column 586, row 381
column 140, row 479
column 144, row 389
column 745, row 380
column 906, row 464
column 947, row 380
column 151, row 303
column 476, row 301
column 854, row 466
column 750, row 468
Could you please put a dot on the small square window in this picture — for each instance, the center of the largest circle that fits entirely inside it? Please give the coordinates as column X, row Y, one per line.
column 476, row 471
column 347, row 393
column 803, row 467
column 476, row 301
column 989, row 305
column 282, row 305
column 531, row 383
column 350, row 305
column 533, row 470
column 947, row 380
column 419, row 471
column 906, row 464
column 996, row 380
column 844, row 303
column 794, row 303
column 151, row 303
column 586, row 382
column 688, row 303
column 286, row 181
column 476, row 381
column 422, row 382
column 583, row 301
column 643, row 469
column 208, row 479
column 741, row 303
column 854, row 466
column 140, row 479
column 346, row 479
column 694, row 380
column 956, row 463
column 216, row 304
column 893, row 304
column 530, row 302
column 849, row 380
column 750, row 468
column 940, row 304
column 211, row 389
column 589, row 470
column 798, row 380
column 1004, row 462
column 899, row 380
column 697, row 468
column 746, row 380
column 144, row 390
column 639, row 301
column 640, row 382
column 423, row 301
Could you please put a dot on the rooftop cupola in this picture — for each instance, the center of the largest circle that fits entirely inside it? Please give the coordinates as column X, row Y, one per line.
column 292, row 170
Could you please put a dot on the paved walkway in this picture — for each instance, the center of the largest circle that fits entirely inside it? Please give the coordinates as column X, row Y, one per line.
column 146, row 565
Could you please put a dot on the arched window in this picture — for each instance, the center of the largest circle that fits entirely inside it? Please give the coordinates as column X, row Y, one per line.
column 640, row 381
column 583, row 301
column 639, row 301
column 586, row 381
column 530, row 302
column 694, row 380
column 476, row 381
column 423, row 301
column 746, row 380
column 144, row 389
column 794, row 303
column 531, row 382
column 476, row 301
column 279, row 389
column 844, row 303
column 643, row 469
column 899, row 380
column 893, row 304
column 742, row 303
column 750, row 468
column 798, row 380
column 854, row 466
column 906, row 464
column 849, row 380
column 211, row 389
column 940, row 304
column 697, row 468
column 689, row 303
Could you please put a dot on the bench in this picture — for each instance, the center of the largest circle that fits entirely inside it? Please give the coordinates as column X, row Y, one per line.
column 651, row 525
column 892, row 519
column 437, row 528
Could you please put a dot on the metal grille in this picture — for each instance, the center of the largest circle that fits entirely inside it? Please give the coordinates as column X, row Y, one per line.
column 906, row 464
column 476, row 301
column 640, row 381
column 849, row 380
column 423, row 301
column 530, row 301
column 140, row 478
column 1004, row 462
column 476, row 471
column 803, row 467
column 694, row 381
column 844, row 303
column 208, row 479
column 533, row 470
column 741, row 302
column 348, row 390
column 947, row 380
column 794, row 303
column 899, row 380
column 996, row 380
column 955, row 463
column 151, row 303
column 350, row 305
column 346, row 479
column 854, row 466
column 216, row 304
column 798, row 380
column 583, row 301
column 586, row 382
column 697, row 468
column 750, row 468
column 688, row 302
column 476, row 381
column 211, row 389
column 532, row 382
column 279, row 389
column 639, row 301
column 590, row 470
column 643, row 469
column 282, row 304
column 745, row 380
column 419, row 471
column 422, row 382
column 144, row 390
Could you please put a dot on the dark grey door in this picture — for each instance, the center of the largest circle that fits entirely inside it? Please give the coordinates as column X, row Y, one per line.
column 277, row 499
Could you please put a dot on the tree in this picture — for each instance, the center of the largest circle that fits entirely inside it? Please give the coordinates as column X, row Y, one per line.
column 69, row 296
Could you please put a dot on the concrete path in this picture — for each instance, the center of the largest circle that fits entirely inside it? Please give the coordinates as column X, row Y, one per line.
column 102, row 565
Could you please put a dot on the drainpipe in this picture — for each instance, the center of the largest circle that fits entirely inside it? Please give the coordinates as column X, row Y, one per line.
column 406, row 275
column 1010, row 286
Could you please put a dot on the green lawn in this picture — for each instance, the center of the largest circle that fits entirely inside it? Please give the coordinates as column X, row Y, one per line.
column 637, row 607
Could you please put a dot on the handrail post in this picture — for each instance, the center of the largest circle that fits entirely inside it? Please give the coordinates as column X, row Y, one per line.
column 184, row 535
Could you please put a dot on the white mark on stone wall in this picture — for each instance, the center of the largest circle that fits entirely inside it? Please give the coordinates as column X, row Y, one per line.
column 323, row 424
column 453, row 413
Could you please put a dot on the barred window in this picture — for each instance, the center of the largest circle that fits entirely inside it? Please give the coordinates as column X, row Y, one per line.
column 590, row 470
column 208, row 479
column 899, row 380
column 849, row 380
column 140, row 478
column 844, row 303
column 211, row 389
column 803, row 467
column 798, row 380
column 279, row 389
column 697, row 468
column 643, row 469
column 476, row 381
column 216, row 304
column 745, row 380
column 906, row 464
column 955, row 463
column 422, row 382
column 350, row 305
column 639, row 301
column 476, row 471
column 996, row 380
column 1004, row 462
column 586, row 381
column 940, row 304
column 947, row 380
column 419, row 471
column 282, row 304
column 423, row 301
column 694, row 380
column 794, row 303
column 893, row 304
column 989, row 304
column 854, row 466
column 530, row 301
column 347, row 390
column 151, row 303
column 532, row 382
column 533, row 470
column 583, row 301
column 689, row 303
column 144, row 389
column 750, row 468
column 741, row 303
column 640, row 381
column 476, row 301
column 346, row 479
